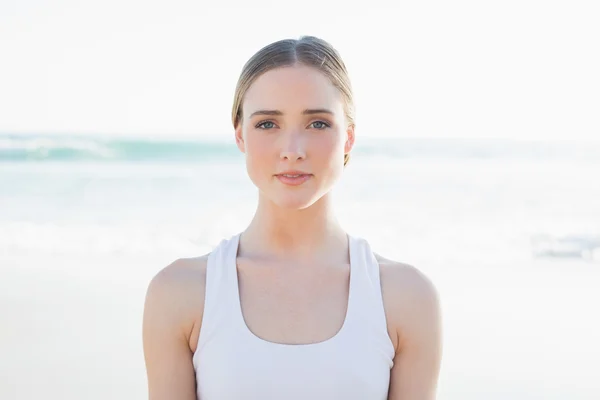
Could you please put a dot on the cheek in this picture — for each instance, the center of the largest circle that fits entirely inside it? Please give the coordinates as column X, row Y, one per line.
column 255, row 145
column 258, row 154
column 329, row 147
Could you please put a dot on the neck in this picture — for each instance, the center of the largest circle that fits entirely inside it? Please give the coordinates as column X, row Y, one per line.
column 304, row 236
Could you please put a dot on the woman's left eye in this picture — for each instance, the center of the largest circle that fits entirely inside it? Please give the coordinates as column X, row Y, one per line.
column 320, row 125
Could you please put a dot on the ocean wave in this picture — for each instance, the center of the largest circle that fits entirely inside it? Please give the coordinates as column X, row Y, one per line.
column 32, row 148
column 584, row 246
column 27, row 149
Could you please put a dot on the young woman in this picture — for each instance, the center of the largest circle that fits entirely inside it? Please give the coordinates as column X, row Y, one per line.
column 293, row 307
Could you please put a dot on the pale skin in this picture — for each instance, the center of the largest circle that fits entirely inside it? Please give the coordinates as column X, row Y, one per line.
column 293, row 257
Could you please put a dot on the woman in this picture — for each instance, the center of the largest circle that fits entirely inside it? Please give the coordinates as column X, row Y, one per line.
column 292, row 307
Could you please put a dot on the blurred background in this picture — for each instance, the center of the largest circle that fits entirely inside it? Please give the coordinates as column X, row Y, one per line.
column 477, row 161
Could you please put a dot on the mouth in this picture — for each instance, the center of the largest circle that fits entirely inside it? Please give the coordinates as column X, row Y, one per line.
column 293, row 178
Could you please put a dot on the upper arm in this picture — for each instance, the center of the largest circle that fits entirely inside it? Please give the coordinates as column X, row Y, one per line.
column 169, row 315
column 415, row 313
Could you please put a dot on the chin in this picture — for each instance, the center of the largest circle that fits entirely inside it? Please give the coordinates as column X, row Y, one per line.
column 296, row 202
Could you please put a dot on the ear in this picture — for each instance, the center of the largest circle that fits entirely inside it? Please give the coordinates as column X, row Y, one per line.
column 239, row 138
column 349, row 139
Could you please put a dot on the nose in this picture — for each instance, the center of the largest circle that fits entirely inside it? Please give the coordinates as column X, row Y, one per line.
column 293, row 147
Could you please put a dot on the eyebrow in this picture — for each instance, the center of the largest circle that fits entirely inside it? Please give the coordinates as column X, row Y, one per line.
column 305, row 112
column 266, row 112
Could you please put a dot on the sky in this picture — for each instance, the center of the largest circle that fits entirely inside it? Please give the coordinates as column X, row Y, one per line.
column 511, row 69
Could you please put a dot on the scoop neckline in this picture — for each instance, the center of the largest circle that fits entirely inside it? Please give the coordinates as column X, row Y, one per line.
column 240, row 315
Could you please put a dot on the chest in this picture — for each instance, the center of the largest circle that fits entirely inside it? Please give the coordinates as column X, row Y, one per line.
column 293, row 306
column 267, row 371
column 316, row 374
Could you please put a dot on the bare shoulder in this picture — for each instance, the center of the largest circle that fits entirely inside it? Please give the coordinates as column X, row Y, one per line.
column 175, row 296
column 172, row 314
column 405, row 280
column 411, row 300
column 180, row 273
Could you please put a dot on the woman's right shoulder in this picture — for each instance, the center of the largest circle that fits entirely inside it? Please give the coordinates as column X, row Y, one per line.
column 181, row 275
column 175, row 296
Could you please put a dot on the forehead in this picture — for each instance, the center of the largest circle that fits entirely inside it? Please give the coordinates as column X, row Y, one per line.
column 292, row 88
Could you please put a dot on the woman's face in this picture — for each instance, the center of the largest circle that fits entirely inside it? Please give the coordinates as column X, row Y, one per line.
column 294, row 133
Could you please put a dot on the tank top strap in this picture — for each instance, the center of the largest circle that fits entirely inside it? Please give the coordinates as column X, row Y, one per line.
column 219, row 286
column 368, row 299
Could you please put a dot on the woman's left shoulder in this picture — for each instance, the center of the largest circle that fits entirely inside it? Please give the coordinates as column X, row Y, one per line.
column 404, row 278
column 410, row 299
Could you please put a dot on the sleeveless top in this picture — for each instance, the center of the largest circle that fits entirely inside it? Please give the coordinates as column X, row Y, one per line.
column 232, row 363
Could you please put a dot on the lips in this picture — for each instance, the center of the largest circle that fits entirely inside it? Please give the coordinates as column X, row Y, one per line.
column 293, row 172
column 293, row 178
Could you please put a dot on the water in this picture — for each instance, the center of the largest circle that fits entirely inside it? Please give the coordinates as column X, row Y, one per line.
column 465, row 212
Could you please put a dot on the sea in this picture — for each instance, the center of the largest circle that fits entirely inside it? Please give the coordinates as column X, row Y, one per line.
column 508, row 230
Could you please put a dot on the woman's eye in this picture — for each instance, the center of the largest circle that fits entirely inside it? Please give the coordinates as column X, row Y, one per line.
column 266, row 125
column 320, row 125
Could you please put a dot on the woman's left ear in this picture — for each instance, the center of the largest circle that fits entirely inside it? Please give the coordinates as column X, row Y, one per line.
column 349, row 139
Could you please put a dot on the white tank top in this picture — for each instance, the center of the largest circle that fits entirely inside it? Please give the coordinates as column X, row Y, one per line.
column 232, row 363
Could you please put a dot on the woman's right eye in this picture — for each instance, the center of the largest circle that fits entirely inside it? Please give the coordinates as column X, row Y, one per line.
column 265, row 125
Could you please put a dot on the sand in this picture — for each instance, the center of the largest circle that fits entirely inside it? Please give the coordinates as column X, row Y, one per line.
column 71, row 329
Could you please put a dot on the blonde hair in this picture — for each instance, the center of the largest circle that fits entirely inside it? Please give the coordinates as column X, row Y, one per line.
column 309, row 51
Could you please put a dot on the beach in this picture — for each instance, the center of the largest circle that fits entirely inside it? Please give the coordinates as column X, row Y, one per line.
column 81, row 237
